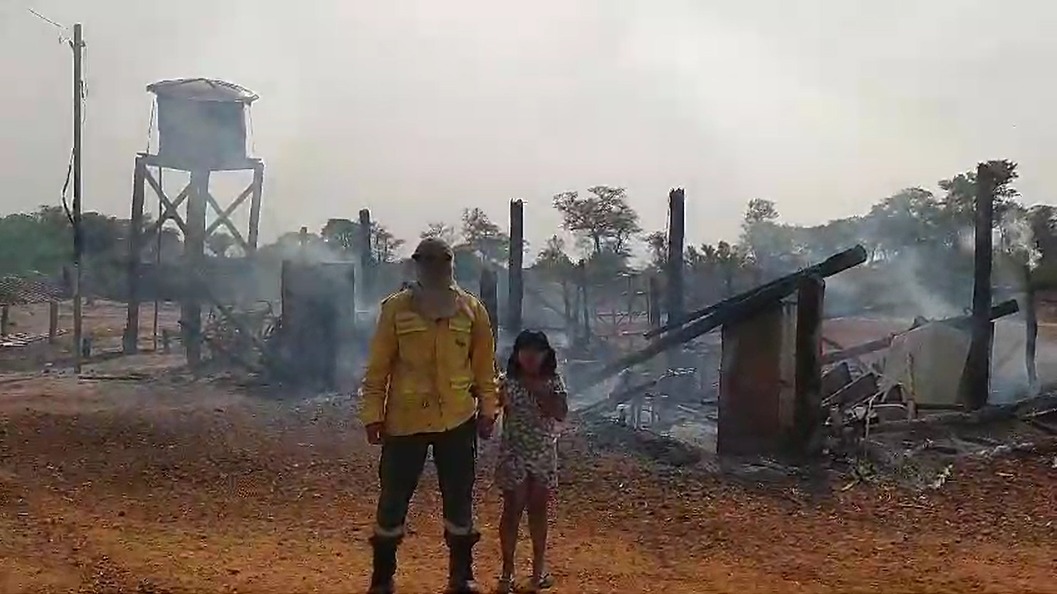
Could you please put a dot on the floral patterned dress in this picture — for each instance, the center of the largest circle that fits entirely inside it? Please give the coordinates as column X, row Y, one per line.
column 529, row 444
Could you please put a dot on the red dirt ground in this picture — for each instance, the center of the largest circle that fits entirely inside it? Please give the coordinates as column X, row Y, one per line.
column 177, row 487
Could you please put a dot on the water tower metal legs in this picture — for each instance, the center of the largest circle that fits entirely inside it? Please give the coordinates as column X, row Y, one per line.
column 194, row 254
column 255, row 205
column 195, row 234
column 130, row 339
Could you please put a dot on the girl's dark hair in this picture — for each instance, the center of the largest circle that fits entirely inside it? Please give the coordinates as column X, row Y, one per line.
column 537, row 341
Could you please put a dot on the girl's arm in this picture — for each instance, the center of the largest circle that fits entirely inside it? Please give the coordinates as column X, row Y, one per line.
column 555, row 404
column 501, row 385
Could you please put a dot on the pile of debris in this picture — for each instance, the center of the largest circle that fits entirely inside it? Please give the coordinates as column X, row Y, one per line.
column 650, row 445
column 920, row 375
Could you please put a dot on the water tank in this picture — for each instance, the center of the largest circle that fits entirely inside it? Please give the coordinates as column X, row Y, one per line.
column 202, row 122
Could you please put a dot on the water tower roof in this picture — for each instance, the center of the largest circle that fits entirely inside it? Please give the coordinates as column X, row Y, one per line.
column 202, row 89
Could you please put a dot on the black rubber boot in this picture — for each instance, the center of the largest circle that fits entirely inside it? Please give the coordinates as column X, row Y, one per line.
column 384, row 565
column 460, row 563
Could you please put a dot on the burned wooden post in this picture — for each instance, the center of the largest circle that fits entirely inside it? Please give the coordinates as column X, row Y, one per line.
column 1031, row 330
column 302, row 243
column 807, row 407
column 515, row 280
column 976, row 380
column 366, row 260
column 53, row 321
column 130, row 344
column 674, row 266
column 489, row 292
column 654, row 303
column 584, row 311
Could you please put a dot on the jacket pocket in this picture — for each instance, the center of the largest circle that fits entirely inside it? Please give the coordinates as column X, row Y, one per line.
column 410, row 336
column 460, row 332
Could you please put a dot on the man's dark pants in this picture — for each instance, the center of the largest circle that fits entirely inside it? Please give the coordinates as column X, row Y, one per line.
column 403, row 459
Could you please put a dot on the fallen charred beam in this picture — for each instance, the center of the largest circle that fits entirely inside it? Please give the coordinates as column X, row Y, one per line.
column 786, row 284
column 858, row 350
column 855, row 392
column 731, row 311
column 618, row 398
column 1000, row 310
column 835, row 379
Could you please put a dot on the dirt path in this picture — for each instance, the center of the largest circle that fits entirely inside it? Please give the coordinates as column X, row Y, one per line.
column 172, row 488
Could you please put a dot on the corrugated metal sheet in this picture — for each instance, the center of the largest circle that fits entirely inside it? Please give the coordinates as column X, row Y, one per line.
column 203, row 89
column 16, row 290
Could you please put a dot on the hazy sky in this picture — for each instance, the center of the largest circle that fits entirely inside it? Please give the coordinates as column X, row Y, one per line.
column 418, row 108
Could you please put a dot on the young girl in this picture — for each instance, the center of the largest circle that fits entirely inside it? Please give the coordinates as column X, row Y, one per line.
column 534, row 401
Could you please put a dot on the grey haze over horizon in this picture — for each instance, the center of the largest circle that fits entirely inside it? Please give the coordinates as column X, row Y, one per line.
column 416, row 109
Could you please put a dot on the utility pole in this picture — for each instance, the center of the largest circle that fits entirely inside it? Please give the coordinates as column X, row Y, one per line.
column 78, row 98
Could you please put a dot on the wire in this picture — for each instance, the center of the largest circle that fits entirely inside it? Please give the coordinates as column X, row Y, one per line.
column 253, row 137
column 150, row 125
column 66, row 188
column 62, row 28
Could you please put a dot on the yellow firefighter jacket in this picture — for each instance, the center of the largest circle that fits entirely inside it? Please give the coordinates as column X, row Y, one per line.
column 426, row 376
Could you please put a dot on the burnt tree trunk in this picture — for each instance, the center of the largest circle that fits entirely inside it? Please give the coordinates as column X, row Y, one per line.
column 977, row 376
column 515, row 281
column 366, row 261
column 1031, row 329
column 675, row 268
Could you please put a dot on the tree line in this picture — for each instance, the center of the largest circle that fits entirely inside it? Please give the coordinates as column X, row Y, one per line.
column 917, row 236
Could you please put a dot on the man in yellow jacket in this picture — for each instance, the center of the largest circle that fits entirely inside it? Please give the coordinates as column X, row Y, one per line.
column 430, row 382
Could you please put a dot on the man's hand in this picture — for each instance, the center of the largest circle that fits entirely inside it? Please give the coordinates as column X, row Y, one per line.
column 375, row 433
column 485, row 426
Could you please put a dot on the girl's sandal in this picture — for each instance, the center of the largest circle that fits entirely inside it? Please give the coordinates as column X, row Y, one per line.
column 543, row 582
column 507, row 585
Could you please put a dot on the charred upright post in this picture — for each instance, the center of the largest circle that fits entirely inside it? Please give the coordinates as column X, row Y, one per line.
column 366, row 261
column 654, row 299
column 53, row 321
column 977, row 376
column 515, row 281
column 675, row 268
column 489, row 292
column 808, row 389
column 1031, row 330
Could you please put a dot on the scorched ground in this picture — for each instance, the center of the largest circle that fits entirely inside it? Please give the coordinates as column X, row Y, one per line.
column 163, row 484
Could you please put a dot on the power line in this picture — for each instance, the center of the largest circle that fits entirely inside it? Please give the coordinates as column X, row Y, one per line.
column 58, row 26
column 64, row 31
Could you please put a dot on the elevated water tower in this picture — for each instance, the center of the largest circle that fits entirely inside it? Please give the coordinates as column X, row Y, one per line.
column 201, row 125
